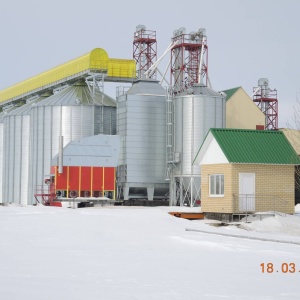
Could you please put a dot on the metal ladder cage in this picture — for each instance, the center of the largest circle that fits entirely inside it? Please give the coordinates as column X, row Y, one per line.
column 169, row 125
column 95, row 83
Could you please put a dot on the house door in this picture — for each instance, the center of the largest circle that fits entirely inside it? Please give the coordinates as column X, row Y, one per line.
column 247, row 192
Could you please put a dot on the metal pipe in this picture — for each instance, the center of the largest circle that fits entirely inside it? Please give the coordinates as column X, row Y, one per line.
column 152, row 69
column 200, row 79
column 60, row 154
column 167, row 68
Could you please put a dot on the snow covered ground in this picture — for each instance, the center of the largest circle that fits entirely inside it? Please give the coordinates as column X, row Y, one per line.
column 143, row 253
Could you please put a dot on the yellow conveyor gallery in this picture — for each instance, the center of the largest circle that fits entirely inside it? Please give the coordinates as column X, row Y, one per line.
column 96, row 61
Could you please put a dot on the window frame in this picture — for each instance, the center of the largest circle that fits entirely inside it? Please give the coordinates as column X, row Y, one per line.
column 216, row 179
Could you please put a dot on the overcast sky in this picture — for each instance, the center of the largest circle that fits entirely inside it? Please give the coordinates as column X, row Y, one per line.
column 247, row 40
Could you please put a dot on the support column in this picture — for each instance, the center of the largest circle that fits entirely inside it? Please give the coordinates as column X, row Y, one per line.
column 150, row 193
column 126, row 192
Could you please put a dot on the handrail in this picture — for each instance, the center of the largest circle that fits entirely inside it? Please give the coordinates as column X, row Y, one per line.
column 275, row 203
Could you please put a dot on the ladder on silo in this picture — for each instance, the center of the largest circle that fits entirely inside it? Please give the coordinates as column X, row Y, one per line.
column 169, row 130
column 95, row 83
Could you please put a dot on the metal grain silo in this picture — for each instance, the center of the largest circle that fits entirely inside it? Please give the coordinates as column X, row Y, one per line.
column 195, row 112
column 16, row 153
column 141, row 118
column 1, row 155
column 2, row 143
column 72, row 113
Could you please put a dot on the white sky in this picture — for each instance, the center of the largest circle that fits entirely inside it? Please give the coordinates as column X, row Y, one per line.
column 247, row 40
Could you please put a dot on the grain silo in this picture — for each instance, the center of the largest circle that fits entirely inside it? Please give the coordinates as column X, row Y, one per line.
column 192, row 109
column 195, row 113
column 1, row 155
column 16, row 152
column 2, row 160
column 141, row 119
column 73, row 113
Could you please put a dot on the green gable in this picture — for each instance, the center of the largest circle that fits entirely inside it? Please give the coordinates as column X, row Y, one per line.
column 229, row 93
column 255, row 146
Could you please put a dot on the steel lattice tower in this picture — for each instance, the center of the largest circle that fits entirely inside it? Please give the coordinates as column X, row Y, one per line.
column 144, row 50
column 188, row 56
column 266, row 100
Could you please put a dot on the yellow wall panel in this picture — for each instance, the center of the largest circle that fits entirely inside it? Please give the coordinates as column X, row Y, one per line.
column 242, row 112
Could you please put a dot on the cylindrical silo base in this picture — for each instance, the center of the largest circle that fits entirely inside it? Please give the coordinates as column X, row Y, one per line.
column 185, row 190
column 149, row 191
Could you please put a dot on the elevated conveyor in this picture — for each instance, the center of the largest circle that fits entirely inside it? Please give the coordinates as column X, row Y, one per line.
column 94, row 62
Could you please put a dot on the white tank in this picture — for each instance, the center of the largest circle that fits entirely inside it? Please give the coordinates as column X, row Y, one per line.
column 263, row 83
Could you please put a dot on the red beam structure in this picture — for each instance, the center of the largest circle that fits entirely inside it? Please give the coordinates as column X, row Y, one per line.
column 189, row 59
column 266, row 99
column 144, row 50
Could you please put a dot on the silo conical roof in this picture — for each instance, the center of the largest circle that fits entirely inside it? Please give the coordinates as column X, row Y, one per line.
column 78, row 94
column 3, row 114
column 146, row 86
column 200, row 89
column 25, row 109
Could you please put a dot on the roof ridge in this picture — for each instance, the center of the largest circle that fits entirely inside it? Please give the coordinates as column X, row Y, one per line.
column 230, row 92
column 248, row 130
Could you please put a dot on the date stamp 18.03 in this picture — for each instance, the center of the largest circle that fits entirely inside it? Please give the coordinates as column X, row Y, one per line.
column 279, row 268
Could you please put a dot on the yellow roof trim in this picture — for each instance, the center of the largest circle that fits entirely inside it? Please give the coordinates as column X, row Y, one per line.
column 97, row 60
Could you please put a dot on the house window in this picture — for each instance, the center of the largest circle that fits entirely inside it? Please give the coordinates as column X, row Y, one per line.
column 216, row 185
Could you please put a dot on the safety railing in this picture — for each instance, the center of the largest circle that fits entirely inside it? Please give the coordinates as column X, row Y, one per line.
column 260, row 204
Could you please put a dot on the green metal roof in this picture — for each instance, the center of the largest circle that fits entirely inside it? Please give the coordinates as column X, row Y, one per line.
column 256, row 146
column 230, row 92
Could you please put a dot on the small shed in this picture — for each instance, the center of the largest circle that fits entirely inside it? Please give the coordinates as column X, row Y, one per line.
column 88, row 168
column 246, row 171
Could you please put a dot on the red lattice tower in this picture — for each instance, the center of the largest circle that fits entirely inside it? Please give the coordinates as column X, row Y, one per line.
column 186, row 55
column 266, row 100
column 144, row 50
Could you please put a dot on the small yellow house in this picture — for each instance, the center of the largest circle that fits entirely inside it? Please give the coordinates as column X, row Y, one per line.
column 241, row 111
column 246, row 171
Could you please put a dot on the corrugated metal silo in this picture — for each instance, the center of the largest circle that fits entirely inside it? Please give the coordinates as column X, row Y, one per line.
column 1, row 155
column 196, row 111
column 2, row 160
column 72, row 113
column 16, row 153
column 141, row 117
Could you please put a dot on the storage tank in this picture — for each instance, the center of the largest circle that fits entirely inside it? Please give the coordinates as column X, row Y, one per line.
column 1, row 155
column 195, row 112
column 2, row 160
column 73, row 113
column 141, row 117
column 16, row 152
